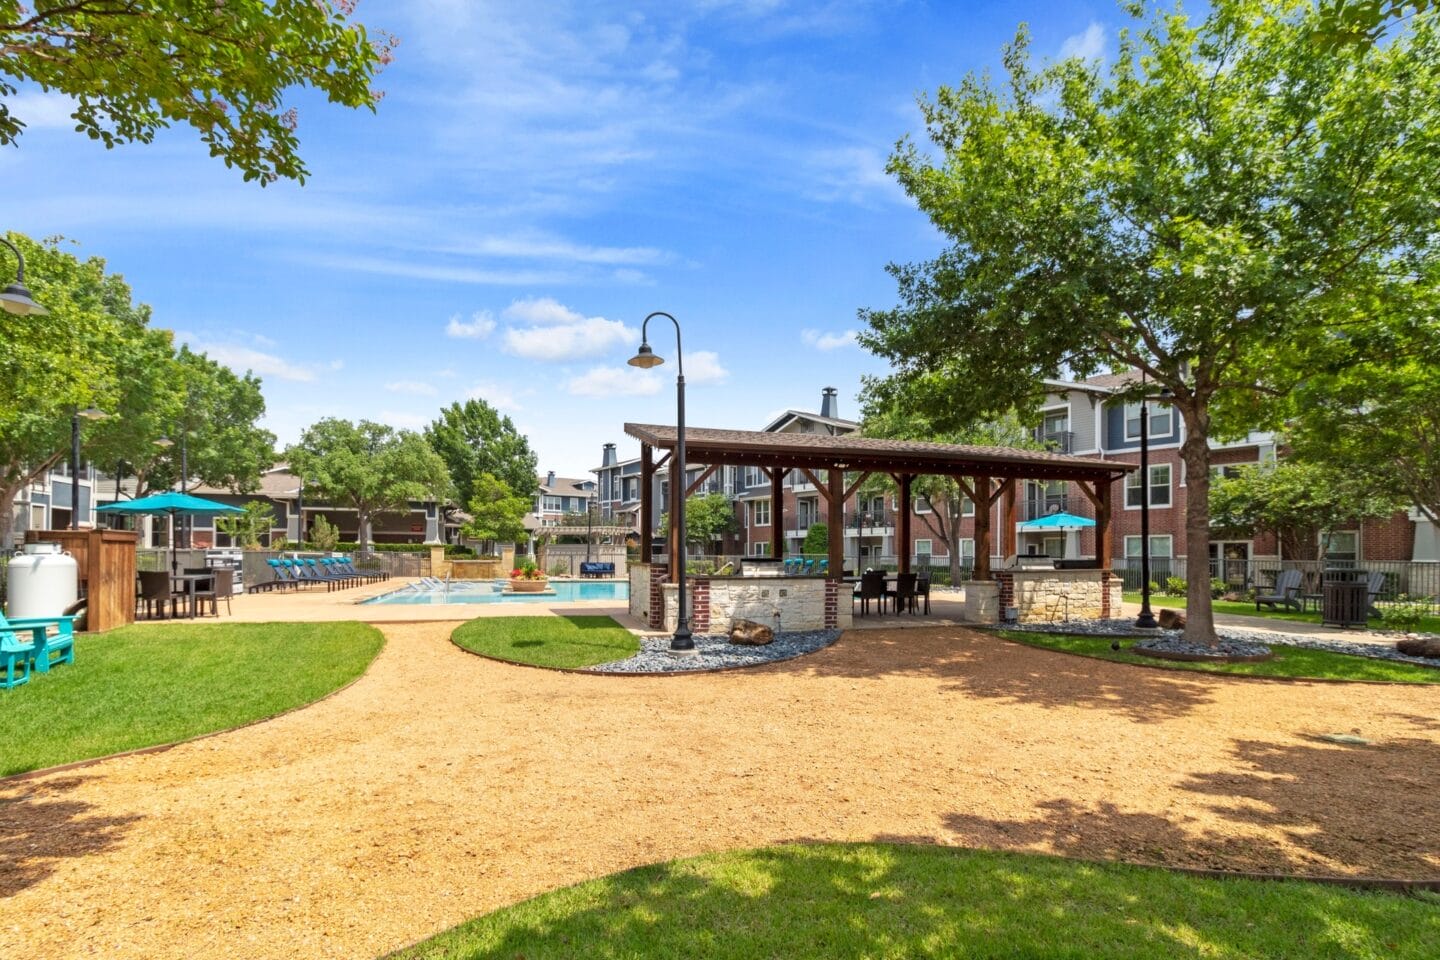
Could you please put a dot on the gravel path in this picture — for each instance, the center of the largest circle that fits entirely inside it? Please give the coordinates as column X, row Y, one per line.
column 443, row 785
column 718, row 653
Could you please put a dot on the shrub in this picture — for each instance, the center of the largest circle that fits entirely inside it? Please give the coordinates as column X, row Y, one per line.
column 700, row 568
column 1175, row 586
column 324, row 534
column 559, row 568
column 1405, row 616
column 1217, row 588
column 526, row 569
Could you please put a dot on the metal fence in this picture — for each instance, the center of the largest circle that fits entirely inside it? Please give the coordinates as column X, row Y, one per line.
column 1404, row 580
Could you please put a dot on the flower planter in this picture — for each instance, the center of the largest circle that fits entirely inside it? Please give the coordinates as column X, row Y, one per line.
column 529, row 586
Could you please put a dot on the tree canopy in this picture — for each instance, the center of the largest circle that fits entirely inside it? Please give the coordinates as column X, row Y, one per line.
column 708, row 517
column 497, row 512
column 1224, row 202
column 133, row 68
column 369, row 467
column 474, row 439
column 1299, row 503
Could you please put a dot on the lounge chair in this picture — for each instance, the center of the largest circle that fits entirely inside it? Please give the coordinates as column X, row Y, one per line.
column 1373, row 588
column 346, row 565
column 308, row 569
column 1286, row 592
column 284, row 577
column 42, row 644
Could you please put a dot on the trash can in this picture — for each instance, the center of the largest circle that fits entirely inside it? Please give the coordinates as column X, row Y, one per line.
column 1343, row 600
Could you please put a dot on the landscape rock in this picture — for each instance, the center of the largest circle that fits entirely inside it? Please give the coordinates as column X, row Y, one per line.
column 751, row 634
column 1419, row 646
column 1171, row 619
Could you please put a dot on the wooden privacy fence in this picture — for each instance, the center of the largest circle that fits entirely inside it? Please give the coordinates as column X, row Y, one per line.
column 106, row 559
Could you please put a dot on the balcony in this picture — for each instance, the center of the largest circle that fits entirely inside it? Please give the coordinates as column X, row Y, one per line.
column 1056, row 441
column 1038, row 507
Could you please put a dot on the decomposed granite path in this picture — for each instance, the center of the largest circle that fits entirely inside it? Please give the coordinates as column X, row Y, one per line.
column 442, row 785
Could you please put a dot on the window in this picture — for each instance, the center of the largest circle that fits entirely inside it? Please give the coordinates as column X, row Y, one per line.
column 754, row 477
column 1160, row 421
column 760, row 513
column 922, row 548
column 1228, row 471
column 1341, row 546
column 967, row 551
column 922, row 505
column 760, row 549
column 632, row 488
column 1159, row 487
column 967, row 506
column 1160, row 546
column 1057, row 422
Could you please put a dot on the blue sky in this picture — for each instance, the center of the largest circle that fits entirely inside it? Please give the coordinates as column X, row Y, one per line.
column 538, row 178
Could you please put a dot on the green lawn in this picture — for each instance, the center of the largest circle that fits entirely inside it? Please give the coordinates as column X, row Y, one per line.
column 1287, row 662
column 146, row 685
column 549, row 641
column 882, row 901
column 1158, row 600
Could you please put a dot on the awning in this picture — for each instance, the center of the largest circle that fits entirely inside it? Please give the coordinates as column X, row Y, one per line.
column 1055, row 521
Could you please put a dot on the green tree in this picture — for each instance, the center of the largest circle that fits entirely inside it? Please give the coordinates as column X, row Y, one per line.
column 134, row 68
column 1301, row 504
column 707, row 519
column 368, row 467
column 474, row 439
column 1228, row 201
column 324, row 535
column 817, row 539
column 52, row 365
column 246, row 529
column 1361, row 21
column 497, row 512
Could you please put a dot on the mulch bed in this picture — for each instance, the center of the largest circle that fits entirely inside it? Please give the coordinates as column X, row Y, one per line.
column 443, row 785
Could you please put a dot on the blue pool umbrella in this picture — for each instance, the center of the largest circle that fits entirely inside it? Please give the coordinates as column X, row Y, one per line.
column 171, row 503
column 1056, row 521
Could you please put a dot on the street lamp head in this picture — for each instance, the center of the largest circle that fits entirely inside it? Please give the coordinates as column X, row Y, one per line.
column 164, row 442
column 645, row 357
column 91, row 412
column 16, row 299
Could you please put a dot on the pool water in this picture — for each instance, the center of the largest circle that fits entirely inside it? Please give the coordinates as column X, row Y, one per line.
column 480, row 591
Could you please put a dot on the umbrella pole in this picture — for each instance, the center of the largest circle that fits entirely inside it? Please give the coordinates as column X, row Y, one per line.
column 174, row 557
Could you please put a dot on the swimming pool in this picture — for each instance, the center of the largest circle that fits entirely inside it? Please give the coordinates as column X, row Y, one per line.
column 484, row 591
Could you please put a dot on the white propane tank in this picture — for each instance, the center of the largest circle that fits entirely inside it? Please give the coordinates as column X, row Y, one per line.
column 44, row 581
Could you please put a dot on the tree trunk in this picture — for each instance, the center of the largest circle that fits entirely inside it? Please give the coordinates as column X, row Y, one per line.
column 362, row 531
column 1195, row 452
column 7, row 516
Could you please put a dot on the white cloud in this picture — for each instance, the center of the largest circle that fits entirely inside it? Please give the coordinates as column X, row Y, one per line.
column 615, row 382
column 851, row 175
column 39, row 110
column 480, row 326
column 555, row 332
column 822, row 340
column 1087, row 45
column 415, row 388
column 499, row 397
column 541, row 247
column 240, row 359
column 703, row 367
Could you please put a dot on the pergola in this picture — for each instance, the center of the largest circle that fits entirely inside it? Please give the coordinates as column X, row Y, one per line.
column 985, row 474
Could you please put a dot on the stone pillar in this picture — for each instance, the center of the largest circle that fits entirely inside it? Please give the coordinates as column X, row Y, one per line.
column 982, row 601
column 439, row 566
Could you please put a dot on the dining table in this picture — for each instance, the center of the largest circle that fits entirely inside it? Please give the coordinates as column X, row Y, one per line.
column 189, row 584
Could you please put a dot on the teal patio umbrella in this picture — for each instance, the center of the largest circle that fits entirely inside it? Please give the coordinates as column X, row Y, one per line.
column 172, row 503
column 1056, row 521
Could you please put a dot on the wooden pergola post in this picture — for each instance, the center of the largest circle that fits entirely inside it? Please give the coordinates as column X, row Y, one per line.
column 984, row 501
column 777, row 512
column 903, row 547
column 835, row 481
column 1010, row 521
column 647, row 507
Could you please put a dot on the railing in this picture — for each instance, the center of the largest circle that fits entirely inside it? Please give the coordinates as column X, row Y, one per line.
column 1039, row 507
column 1056, row 441
column 1403, row 579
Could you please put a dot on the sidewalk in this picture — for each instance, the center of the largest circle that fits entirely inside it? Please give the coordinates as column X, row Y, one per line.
column 1291, row 628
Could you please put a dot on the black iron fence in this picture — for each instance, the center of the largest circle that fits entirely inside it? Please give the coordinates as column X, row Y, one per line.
column 1402, row 580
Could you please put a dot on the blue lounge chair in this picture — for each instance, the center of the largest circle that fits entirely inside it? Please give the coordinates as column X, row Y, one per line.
column 347, row 565
column 317, row 573
column 284, row 574
column 15, row 652
column 279, row 578
column 822, row 568
column 806, row 567
column 42, row 645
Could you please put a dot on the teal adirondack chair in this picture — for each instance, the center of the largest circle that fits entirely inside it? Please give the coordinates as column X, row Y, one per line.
column 15, row 653
column 42, row 646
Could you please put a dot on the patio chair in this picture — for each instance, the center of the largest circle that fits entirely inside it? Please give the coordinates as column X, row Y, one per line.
column 333, row 581
column 1373, row 588
column 822, row 568
column 872, row 587
column 156, row 592
column 42, row 644
column 283, row 577
column 1286, row 592
column 904, row 593
column 222, row 587
column 806, row 567
column 304, row 575
column 15, row 652
column 922, row 590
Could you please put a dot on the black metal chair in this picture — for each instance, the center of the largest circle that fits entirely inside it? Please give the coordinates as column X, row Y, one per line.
column 922, row 590
column 904, row 592
column 156, row 592
column 872, row 587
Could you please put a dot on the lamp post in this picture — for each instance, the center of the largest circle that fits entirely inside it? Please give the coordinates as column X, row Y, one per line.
column 589, row 516
column 1146, row 620
column 89, row 413
column 681, row 644
column 16, row 298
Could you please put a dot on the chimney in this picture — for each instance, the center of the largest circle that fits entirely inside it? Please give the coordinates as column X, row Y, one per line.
column 550, row 479
column 829, row 404
column 608, row 458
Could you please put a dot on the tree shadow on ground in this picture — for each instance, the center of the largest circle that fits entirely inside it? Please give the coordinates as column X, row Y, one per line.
column 984, row 666
column 39, row 827
column 1369, row 809
column 870, row 900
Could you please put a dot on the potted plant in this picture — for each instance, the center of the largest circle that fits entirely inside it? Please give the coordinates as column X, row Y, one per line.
column 527, row 578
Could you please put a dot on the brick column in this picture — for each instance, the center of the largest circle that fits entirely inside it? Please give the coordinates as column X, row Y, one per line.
column 1106, row 577
column 700, row 605
column 658, row 575
column 832, row 603
column 1006, row 580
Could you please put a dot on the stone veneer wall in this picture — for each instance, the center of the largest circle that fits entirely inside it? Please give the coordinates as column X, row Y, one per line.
column 1042, row 596
column 646, row 599
column 805, row 603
